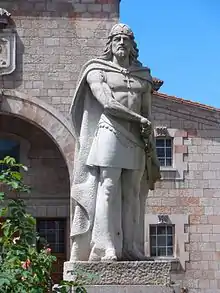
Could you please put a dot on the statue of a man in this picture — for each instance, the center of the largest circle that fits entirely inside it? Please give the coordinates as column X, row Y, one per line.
column 115, row 161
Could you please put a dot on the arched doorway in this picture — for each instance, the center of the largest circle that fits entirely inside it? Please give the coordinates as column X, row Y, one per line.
column 46, row 145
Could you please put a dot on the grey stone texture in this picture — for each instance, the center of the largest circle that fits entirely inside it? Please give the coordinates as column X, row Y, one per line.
column 197, row 194
column 120, row 273
column 54, row 39
column 130, row 289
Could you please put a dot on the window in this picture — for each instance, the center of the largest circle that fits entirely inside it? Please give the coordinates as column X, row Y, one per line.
column 161, row 240
column 164, row 151
column 9, row 147
column 173, row 245
column 53, row 231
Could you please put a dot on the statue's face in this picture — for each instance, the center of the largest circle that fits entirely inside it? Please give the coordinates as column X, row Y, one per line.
column 121, row 46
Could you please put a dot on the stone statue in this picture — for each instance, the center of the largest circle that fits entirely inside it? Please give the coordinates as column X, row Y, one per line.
column 115, row 161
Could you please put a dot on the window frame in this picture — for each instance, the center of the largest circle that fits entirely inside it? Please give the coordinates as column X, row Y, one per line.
column 166, row 246
column 18, row 152
column 179, row 165
column 165, row 147
column 64, row 220
column 24, row 146
column 181, row 237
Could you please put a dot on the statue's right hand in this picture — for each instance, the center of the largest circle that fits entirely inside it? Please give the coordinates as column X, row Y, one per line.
column 145, row 122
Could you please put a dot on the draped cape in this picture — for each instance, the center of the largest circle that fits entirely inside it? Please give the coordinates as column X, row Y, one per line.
column 85, row 113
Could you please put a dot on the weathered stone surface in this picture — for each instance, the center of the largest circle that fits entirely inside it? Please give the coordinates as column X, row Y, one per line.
column 130, row 289
column 120, row 273
column 112, row 225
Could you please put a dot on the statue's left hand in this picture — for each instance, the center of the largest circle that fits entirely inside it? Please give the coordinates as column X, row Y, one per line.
column 146, row 130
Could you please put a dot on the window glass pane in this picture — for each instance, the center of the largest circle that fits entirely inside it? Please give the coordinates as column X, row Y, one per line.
column 54, row 233
column 168, row 153
column 169, row 240
column 162, row 161
column 41, row 225
column 169, row 251
column 152, row 230
column 164, row 151
column 168, row 162
column 161, row 229
column 61, row 234
column 160, row 142
column 153, row 251
column 168, row 142
column 161, row 251
column 160, row 152
column 170, row 230
column 10, row 148
column 51, row 238
column 50, row 224
column 61, row 248
column 153, row 240
column 161, row 240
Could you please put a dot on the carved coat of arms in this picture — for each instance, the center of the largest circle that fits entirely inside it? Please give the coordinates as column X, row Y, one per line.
column 7, row 44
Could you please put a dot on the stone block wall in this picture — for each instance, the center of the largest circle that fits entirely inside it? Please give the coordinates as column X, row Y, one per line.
column 197, row 194
column 54, row 39
column 47, row 175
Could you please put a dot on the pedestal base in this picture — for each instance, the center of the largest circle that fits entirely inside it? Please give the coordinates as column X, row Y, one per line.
column 148, row 273
column 131, row 289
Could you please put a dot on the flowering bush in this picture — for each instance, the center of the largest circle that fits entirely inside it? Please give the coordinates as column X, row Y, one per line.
column 23, row 269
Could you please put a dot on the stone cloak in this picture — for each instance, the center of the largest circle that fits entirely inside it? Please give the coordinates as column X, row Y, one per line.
column 85, row 113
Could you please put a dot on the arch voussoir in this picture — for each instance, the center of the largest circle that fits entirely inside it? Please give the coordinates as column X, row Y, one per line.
column 44, row 116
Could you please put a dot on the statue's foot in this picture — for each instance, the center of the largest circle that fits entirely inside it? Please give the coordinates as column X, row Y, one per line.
column 110, row 255
column 95, row 255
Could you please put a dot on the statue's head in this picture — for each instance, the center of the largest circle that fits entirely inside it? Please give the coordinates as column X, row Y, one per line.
column 121, row 44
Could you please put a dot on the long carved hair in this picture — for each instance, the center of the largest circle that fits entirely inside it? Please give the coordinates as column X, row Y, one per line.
column 134, row 54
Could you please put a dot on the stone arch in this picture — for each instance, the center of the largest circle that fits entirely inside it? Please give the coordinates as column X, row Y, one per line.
column 44, row 116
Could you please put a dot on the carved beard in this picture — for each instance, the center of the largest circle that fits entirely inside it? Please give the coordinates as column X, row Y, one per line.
column 121, row 53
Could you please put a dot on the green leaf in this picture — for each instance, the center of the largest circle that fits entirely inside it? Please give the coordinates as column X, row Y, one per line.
column 16, row 175
column 14, row 184
column 9, row 160
column 2, row 195
column 80, row 290
column 4, row 279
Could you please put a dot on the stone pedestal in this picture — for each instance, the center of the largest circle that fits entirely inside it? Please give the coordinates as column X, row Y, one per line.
column 122, row 277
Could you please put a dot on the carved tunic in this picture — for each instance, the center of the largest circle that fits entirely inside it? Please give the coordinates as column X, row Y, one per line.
column 117, row 142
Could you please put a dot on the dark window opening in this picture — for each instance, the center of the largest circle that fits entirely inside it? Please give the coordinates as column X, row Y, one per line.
column 164, row 151
column 53, row 231
column 162, row 240
column 11, row 148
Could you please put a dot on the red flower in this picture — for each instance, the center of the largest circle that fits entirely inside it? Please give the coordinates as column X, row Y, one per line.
column 48, row 250
column 26, row 264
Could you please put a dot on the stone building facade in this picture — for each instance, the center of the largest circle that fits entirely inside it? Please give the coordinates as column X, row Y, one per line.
column 53, row 40
column 189, row 191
